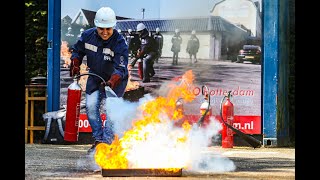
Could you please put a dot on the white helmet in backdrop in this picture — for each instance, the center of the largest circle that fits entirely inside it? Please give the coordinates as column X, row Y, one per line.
column 140, row 27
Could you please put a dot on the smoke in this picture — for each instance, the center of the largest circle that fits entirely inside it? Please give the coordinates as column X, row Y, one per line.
column 87, row 163
column 199, row 140
column 121, row 112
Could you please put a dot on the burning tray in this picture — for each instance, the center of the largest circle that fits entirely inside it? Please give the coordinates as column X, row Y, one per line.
column 134, row 94
column 141, row 172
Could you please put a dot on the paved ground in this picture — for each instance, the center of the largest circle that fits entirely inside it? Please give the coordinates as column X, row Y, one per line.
column 216, row 75
column 45, row 161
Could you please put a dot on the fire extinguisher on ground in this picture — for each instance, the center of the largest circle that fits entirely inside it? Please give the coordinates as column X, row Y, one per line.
column 140, row 68
column 227, row 116
column 205, row 108
column 73, row 112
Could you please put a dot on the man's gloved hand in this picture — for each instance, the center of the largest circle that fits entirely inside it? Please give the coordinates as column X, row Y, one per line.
column 75, row 67
column 113, row 82
column 103, row 84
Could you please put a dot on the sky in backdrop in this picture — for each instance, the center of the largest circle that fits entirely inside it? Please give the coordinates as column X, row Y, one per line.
column 154, row 9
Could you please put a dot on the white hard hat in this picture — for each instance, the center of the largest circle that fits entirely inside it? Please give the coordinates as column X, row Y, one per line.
column 119, row 30
column 81, row 30
column 105, row 18
column 157, row 29
column 193, row 32
column 140, row 27
column 69, row 28
column 177, row 30
column 129, row 30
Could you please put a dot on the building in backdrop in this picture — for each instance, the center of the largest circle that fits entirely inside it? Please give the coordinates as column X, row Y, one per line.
column 243, row 13
column 214, row 33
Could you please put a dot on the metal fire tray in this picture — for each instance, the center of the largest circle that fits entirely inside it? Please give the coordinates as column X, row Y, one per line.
column 134, row 94
column 140, row 173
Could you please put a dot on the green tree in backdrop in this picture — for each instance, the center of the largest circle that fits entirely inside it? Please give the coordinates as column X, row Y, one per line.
column 36, row 23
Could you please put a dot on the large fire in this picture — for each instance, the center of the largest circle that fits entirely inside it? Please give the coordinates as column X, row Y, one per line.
column 150, row 143
column 132, row 85
column 65, row 54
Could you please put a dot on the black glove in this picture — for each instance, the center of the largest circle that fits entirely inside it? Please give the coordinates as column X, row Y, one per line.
column 75, row 67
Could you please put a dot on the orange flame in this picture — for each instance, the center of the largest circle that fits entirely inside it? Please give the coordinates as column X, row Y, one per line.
column 65, row 54
column 83, row 79
column 172, row 147
column 132, row 85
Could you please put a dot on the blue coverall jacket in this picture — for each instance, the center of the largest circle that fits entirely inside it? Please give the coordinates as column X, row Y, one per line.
column 104, row 58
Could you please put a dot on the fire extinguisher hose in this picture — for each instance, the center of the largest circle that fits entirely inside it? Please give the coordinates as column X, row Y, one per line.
column 78, row 76
column 109, row 91
column 255, row 143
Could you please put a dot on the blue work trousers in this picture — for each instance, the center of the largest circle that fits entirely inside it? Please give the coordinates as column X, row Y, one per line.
column 100, row 132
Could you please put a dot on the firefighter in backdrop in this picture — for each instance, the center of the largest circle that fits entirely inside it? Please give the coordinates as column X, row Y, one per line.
column 70, row 38
column 133, row 42
column 193, row 46
column 81, row 31
column 176, row 45
column 148, row 52
column 120, row 32
column 159, row 39
column 107, row 56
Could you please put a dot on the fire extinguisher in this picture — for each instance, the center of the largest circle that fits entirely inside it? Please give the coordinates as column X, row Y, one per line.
column 227, row 116
column 179, row 106
column 140, row 68
column 205, row 108
column 180, row 112
column 71, row 131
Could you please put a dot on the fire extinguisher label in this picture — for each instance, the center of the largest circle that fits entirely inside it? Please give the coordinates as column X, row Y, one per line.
column 77, row 115
column 230, row 121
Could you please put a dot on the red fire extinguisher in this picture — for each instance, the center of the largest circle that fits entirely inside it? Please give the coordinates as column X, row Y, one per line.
column 227, row 116
column 73, row 112
column 205, row 108
column 140, row 68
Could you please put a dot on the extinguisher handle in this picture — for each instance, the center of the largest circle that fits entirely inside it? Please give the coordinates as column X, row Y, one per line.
column 228, row 95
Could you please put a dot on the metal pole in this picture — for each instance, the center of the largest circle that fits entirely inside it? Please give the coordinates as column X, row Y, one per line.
column 142, row 10
column 270, row 70
column 53, row 55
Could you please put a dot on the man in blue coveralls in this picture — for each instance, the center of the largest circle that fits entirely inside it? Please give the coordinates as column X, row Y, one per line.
column 107, row 57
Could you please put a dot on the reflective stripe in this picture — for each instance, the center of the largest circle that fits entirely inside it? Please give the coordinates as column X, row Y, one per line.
column 91, row 47
column 108, row 51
